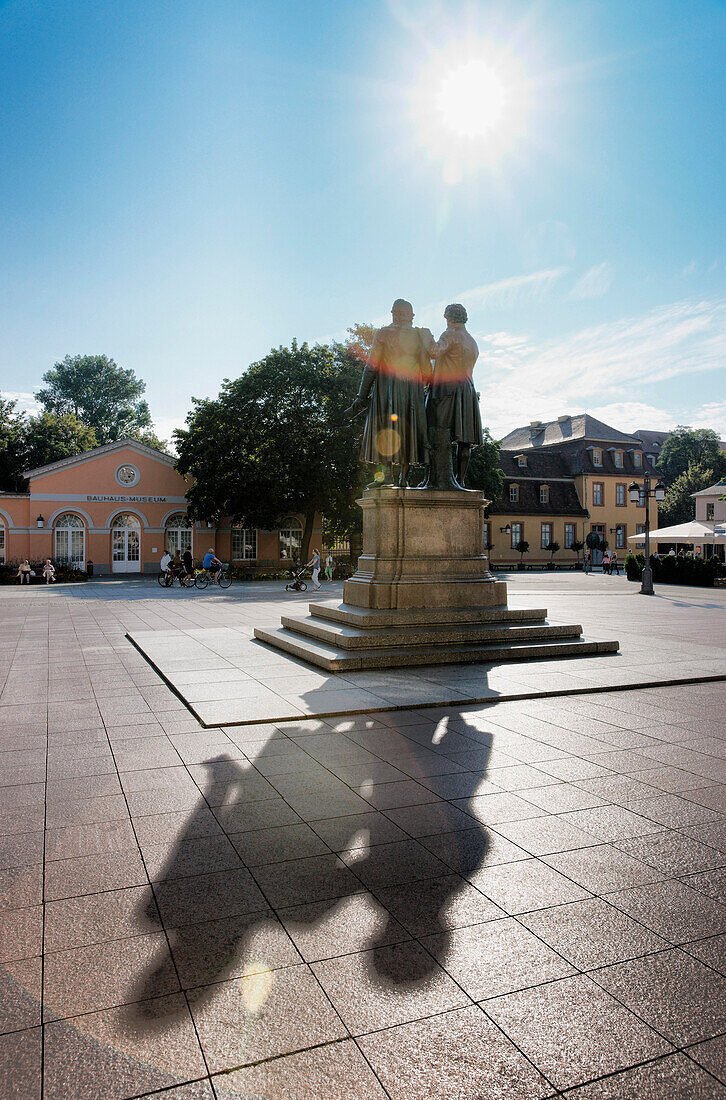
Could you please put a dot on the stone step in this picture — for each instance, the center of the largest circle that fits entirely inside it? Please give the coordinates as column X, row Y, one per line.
column 334, row 659
column 368, row 618
column 352, row 638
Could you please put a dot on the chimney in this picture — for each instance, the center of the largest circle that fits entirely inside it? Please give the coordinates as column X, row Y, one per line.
column 535, row 428
column 563, row 419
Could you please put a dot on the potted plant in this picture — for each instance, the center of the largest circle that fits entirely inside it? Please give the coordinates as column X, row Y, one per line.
column 522, row 547
column 552, row 547
column 576, row 547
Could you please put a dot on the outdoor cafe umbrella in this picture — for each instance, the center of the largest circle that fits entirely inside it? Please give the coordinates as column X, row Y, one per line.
column 694, row 531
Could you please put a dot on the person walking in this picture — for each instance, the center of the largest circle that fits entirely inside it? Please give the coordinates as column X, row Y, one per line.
column 606, row 562
column 614, row 564
column 49, row 571
column 329, row 566
column 315, row 563
column 588, row 561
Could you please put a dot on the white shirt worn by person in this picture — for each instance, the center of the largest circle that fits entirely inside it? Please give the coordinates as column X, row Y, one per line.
column 165, row 562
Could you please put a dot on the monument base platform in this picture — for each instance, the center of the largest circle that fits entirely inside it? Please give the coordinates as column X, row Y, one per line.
column 423, row 595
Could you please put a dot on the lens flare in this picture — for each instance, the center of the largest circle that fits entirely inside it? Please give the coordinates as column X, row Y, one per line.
column 388, row 443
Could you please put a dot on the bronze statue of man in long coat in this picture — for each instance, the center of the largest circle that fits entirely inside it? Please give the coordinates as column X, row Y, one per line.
column 392, row 389
column 452, row 403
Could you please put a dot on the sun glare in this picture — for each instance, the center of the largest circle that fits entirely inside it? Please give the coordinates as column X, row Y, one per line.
column 470, row 107
column 472, row 100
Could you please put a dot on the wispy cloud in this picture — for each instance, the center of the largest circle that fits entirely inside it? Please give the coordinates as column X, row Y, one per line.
column 502, row 293
column 25, row 401
column 595, row 283
column 522, row 380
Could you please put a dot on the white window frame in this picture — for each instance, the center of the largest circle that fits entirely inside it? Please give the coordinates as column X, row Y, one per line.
column 620, row 490
column 620, row 536
column 291, row 532
column 601, row 492
column 244, row 543
column 545, row 539
column 180, row 535
column 514, row 494
column 596, row 457
column 618, row 460
column 570, row 535
column 544, row 494
column 66, row 540
column 522, row 462
column 517, row 534
column 710, row 511
column 637, row 460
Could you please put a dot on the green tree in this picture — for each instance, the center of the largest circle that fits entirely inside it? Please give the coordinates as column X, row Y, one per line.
column 276, row 441
column 679, row 505
column 686, row 447
column 484, row 472
column 576, row 546
column 100, row 393
column 552, row 547
column 12, row 446
column 49, row 438
column 522, row 547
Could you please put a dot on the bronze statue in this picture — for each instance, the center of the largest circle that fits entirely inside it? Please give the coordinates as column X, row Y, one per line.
column 392, row 390
column 452, row 405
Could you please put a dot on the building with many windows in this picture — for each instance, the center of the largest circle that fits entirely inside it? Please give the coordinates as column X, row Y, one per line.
column 119, row 506
column 563, row 479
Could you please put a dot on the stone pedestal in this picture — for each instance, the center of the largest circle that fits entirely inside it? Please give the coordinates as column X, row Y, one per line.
column 423, row 548
column 423, row 595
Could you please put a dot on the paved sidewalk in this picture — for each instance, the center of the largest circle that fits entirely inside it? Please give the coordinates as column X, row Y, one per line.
column 519, row 900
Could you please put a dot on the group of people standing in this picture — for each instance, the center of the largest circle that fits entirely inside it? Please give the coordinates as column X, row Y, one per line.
column 610, row 563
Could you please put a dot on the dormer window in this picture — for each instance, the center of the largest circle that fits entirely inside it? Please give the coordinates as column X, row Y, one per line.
column 618, row 459
column 637, row 459
column 544, row 494
column 513, row 494
column 522, row 461
column 596, row 457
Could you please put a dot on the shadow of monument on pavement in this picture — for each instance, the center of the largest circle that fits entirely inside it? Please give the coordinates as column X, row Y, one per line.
column 212, row 916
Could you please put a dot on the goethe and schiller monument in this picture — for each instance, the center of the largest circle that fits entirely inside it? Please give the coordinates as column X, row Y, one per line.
column 422, row 592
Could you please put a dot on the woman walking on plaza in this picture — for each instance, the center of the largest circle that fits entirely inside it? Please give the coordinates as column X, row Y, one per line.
column 315, row 562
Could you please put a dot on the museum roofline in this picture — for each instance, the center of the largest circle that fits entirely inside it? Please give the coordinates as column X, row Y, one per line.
column 106, row 448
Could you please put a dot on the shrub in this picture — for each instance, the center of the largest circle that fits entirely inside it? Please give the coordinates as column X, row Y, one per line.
column 675, row 569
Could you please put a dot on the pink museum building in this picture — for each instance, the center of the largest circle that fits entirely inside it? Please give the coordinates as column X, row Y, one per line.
column 119, row 506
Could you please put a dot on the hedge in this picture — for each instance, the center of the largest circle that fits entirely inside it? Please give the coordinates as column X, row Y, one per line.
column 675, row 569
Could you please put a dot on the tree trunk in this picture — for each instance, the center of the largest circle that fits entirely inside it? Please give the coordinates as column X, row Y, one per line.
column 307, row 535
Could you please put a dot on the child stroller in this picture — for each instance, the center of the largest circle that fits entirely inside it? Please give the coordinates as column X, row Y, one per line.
column 297, row 584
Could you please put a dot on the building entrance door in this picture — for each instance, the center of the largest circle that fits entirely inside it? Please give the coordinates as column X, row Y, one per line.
column 598, row 529
column 126, row 544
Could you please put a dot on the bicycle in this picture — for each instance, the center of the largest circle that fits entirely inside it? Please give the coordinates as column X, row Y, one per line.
column 167, row 577
column 203, row 577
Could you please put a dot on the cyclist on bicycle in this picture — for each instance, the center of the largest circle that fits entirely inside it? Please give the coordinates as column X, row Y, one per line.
column 211, row 563
column 165, row 562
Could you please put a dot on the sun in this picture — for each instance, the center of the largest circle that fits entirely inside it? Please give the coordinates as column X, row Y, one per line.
column 472, row 100
column 470, row 107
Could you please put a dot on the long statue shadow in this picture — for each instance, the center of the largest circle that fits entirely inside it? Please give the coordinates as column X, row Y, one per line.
column 187, row 897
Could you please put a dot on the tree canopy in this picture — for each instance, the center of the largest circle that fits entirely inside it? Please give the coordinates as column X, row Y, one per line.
column 94, row 389
column 277, row 441
column 679, row 505
column 484, row 472
column 27, row 442
column 687, row 446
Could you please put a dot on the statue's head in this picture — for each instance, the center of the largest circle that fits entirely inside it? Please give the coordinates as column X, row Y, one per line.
column 456, row 313
column 402, row 310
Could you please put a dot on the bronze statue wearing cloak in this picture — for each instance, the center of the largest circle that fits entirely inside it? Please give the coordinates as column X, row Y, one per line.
column 392, row 388
column 452, row 405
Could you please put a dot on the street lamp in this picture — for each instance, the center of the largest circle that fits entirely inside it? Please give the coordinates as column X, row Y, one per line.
column 507, row 529
column 640, row 494
column 40, row 521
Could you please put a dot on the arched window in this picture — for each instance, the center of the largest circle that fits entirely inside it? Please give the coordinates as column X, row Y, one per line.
column 2, row 539
column 126, row 543
column 244, row 543
column 70, row 540
column 291, row 533
column 178, row 533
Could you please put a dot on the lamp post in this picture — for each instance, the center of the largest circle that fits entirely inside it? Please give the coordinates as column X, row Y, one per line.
column 642, row 494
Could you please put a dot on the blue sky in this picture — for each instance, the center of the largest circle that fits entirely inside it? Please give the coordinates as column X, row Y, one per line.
column 185, row 185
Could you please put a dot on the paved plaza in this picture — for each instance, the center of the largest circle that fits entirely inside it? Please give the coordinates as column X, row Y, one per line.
column 521, row 898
